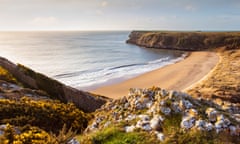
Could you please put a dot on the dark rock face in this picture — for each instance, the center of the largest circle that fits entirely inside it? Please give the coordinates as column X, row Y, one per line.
column 190, row 41
column 84, row 100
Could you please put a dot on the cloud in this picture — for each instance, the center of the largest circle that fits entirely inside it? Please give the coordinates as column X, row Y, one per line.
column 104, row 3
column 44, row 21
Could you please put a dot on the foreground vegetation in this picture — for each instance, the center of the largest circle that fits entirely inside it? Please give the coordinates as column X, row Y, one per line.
column 46, row 114
column 116, row 135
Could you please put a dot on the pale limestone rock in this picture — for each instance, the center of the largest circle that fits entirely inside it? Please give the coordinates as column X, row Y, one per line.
column 209, row 126
column 233, row 130
column 219, row 126
column 165, row 110
column 73, row 141
column 146, row 127
column 144, row 117
column 155, row 123
column 130, row 128
column 185, row 104
column 160, row 136
column 162, row 103
column 212, row 114
column 149, row 104
column 200, row 124
column 107, row 123
column 175, row 107
column 130, row 117
column 187, row 122
column 126, row 105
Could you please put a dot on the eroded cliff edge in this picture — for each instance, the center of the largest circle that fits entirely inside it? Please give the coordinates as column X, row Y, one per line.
column 189, row 41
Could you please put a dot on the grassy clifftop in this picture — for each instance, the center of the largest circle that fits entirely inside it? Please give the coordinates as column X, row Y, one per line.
column 184, row 40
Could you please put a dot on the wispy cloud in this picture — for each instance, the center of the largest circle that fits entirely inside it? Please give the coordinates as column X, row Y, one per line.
column 104, row 3
column 44, row 21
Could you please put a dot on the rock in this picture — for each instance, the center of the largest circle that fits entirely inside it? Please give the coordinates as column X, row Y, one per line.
column 130, row 117
column 185, row 104
column 191, row 112
column 173, row 94
column 175, row 107
column 236, row 117
column 73, row 141
column 187, row 122
column 107, row 124
column 160, row 136
column 146, row 127
column 2, row 127
column 233, row 130
column 165, row 110
column 200, row 124
column 162, row 103
column 155, row 123
column 164, row 93
column 94, row 126
column 212, row 114
column 219, row 126
column 126, row 105
column 209, row 126
column 130, row 128
column 149, row 104
column 144, row 117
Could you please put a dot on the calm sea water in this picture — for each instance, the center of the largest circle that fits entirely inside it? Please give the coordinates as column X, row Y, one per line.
column 84, row 60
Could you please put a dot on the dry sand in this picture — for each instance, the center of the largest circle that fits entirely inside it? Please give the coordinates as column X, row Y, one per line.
column 176, row 76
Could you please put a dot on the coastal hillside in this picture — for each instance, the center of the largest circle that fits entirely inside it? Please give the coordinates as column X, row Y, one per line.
column 53, row 88
column 188, row 41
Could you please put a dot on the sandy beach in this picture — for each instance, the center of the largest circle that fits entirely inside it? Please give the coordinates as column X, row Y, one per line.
column 176, row 76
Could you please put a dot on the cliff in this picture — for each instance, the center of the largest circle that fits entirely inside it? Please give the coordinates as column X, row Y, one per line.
column 190, row 41
column 85, row 101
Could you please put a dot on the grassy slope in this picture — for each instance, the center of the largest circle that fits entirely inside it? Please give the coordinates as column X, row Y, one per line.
column 224, row 82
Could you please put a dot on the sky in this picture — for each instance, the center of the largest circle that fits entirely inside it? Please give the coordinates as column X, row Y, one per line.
column 119, row 15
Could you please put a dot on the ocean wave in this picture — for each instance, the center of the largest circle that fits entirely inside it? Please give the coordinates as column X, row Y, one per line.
column 94, row 79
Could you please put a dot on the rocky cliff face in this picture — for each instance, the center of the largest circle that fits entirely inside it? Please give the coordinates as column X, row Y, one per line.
column 190, row 41
column 84, row 100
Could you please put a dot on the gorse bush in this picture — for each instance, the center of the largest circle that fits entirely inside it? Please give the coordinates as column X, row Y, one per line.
column 46, row 114
column 34, row 135
column 5, row 75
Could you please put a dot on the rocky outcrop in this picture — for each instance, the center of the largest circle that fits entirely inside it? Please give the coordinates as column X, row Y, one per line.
column 190, row 41
column 156, row 110
column 86, row 101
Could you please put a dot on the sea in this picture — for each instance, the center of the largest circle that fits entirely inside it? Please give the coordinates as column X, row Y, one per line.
column 85, row 60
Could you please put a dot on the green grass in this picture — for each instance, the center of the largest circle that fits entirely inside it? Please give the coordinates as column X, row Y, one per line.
column 115, row 135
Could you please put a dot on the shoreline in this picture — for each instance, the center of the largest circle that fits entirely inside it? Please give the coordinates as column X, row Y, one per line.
column 177, row 76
